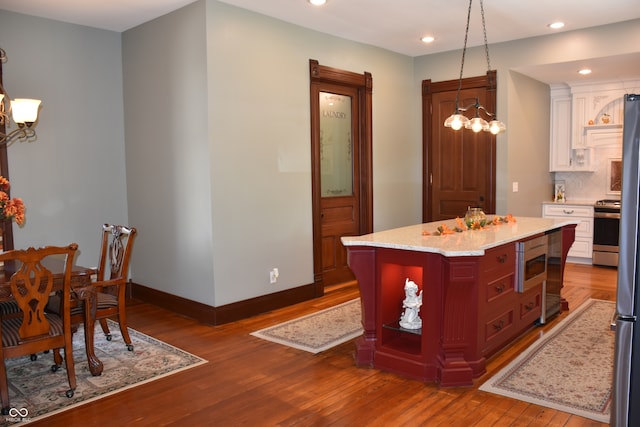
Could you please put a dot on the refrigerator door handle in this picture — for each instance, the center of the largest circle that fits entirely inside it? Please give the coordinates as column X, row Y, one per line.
column 618, row 317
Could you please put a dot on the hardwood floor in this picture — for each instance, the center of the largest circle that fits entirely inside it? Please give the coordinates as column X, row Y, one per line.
column 252, row 382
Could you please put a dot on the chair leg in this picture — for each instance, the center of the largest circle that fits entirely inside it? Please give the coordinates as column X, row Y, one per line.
column 105, row 329
column 57, row 357
column 71, row 371
column 4, row 388
column 122, row 321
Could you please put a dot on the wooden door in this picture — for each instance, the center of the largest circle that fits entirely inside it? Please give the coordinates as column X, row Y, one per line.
column 458, row 166
column 339, row 174
column 341, row 161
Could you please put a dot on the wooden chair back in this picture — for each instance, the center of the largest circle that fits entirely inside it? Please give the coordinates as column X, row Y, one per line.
column 32, row 284
column 34, row 329
column 111, row 281
column 115, row 253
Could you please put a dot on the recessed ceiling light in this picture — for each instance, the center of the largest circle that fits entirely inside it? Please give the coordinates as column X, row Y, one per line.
column 584, row 71
column 556, row 25
column 428, row 39
column 317, row 2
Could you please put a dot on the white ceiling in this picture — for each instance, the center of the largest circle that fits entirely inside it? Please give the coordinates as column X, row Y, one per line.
column 396, row 25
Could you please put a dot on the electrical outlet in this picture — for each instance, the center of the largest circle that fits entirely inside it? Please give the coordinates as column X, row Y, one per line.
column 515, row 186
column 273, row 275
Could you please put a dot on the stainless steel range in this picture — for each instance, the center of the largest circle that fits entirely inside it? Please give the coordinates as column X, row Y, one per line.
column 606, row 229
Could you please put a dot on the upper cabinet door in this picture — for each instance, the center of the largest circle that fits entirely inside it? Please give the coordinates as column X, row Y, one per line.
column 563, row 155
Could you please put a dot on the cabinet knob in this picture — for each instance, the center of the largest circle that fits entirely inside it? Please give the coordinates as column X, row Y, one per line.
column 529, row 306
column 499, row 325
column 502, row 259
column 568, row 212
column 500, row 288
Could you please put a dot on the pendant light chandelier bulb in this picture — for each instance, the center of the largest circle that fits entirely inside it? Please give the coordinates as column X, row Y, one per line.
column 477, row 124
column 496, row 127
column 458, row 120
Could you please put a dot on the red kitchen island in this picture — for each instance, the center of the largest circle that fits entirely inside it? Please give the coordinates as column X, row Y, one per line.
column 472, row 305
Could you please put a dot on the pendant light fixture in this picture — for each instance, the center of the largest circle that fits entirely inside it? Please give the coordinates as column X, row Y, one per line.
column 458, row 120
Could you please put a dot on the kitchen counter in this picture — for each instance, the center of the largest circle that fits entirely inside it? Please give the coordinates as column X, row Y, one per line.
column 471, row 303
column 466, row 243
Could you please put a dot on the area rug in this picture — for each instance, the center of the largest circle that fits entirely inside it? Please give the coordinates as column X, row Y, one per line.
column 319, row 331
column 569, row 369
column 35, row 392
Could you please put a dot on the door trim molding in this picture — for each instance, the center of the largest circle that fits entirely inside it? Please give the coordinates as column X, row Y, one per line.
column 6, row 229
column 319, row 74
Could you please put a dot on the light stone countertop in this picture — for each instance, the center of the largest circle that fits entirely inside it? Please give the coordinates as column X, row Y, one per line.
column 466, row 243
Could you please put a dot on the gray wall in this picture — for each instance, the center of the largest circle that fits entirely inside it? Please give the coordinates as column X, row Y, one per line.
column 238, row 158
column 72, row 179
column 167, row 151
column 213, row 103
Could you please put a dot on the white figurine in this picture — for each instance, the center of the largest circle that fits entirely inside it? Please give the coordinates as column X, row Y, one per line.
column 410, row 318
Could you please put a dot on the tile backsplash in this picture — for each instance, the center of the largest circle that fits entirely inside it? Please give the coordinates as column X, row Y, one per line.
column 581, row 186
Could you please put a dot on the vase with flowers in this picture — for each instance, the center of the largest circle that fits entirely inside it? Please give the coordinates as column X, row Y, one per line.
column 10, row 209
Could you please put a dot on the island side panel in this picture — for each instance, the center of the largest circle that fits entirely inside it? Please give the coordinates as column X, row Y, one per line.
column 459, row 357
column 362, row 261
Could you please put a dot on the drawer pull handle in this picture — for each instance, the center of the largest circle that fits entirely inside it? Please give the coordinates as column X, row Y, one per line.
column 498, row 326
column 502, row 259
column 529, row 306
column 568, row 212
column 500, row 288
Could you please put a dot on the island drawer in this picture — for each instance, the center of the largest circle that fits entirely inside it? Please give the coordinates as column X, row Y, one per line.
column 498, row 261
column 500, row 288
column 498, row 329
column 531, row 305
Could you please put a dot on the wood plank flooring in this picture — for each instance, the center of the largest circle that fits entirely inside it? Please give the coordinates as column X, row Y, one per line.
column 252, row 382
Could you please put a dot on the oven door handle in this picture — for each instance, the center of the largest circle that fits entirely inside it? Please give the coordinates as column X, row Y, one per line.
column 610, row 215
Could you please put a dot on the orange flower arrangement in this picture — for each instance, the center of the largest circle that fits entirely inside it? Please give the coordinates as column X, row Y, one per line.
column 10, row 208
column 508, row 219
column 460, row 226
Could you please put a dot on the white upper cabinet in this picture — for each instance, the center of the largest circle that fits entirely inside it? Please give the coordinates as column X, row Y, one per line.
column 585, row 116
column 598, row 111
column 563, row 155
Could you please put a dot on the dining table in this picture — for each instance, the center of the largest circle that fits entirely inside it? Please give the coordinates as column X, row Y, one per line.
column 81, row 289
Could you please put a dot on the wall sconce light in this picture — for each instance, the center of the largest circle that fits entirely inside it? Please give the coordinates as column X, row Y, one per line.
column 23, row 111
column 458, row 120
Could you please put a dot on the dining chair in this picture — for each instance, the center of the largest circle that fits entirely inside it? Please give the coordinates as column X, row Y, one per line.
column 110, row 281
column 35, row 329
column 10, row 309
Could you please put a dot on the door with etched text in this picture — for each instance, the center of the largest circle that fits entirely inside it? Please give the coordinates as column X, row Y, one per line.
column 341, row 163
column 338, row 180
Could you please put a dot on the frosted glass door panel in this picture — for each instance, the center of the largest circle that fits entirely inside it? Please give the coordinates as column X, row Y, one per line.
column 336, row 151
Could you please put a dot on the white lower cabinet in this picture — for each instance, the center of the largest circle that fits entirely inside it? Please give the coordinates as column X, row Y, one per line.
column 582, row 249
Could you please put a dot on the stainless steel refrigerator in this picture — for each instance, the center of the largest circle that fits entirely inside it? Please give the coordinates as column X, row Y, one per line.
column 625, row 409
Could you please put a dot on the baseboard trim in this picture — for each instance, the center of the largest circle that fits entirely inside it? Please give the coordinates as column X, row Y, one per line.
column 225, row 313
